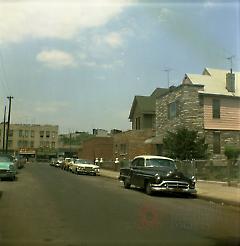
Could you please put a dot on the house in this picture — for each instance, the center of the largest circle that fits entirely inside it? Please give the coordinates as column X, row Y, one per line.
column 130, row 143
column 208, row 103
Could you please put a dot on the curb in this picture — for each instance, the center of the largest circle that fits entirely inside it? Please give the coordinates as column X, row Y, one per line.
column 200, row 196
column 222, row 201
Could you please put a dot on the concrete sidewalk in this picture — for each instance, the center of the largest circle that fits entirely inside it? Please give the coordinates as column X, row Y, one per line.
column 208, row 190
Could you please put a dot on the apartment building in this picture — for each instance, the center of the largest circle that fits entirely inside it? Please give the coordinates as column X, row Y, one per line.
column 30, row 138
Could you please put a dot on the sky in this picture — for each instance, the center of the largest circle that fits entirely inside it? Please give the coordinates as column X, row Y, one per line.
column 78, row 64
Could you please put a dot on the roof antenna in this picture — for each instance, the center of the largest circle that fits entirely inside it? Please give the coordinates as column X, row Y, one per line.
column 168, row 70
column 231, row 62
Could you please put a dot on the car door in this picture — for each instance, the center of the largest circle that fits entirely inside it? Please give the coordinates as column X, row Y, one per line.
column 137, row 172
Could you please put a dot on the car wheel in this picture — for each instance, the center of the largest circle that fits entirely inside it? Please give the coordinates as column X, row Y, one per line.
column 148, row 189
column 126, row 183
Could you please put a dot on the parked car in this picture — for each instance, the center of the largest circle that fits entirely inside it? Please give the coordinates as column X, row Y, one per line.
column 53, row 162
column 20, row 161
column 67, row 163
column 156, row 173
column 82, row 166
column 59, row 162
column 8, row 168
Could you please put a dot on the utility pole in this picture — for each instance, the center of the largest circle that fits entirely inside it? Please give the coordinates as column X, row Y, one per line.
column 4, row 129
column 9, row 117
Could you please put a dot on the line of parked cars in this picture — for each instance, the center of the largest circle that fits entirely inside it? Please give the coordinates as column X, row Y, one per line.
column 77, row 166
column 9, row 165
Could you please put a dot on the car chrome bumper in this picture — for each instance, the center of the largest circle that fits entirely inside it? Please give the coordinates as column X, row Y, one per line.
column 174, row 186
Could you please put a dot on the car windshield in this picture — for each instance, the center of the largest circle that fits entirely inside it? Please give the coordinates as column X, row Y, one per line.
column 82, row 161
column 160, row 163
column 6, row 159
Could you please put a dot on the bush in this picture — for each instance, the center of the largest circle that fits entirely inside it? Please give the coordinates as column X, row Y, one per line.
column 232, row 152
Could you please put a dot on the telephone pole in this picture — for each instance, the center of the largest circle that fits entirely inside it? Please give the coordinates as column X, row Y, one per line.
column 9, row 117
column 4, row 129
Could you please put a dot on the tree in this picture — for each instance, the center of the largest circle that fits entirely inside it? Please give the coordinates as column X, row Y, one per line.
column 185, row 144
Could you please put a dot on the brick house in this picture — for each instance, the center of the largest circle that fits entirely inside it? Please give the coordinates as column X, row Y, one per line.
column 208, row 103
column 142, row 115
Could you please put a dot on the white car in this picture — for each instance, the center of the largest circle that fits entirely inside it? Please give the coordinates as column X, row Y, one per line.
column 82, row 166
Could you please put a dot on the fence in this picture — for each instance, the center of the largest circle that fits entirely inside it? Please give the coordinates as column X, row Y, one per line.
column 202, row 169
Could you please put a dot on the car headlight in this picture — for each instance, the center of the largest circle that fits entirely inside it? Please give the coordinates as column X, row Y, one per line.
column 194, row 179
column 158, row 178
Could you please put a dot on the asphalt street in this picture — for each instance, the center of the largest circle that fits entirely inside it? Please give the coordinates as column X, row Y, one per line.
column 49, row 206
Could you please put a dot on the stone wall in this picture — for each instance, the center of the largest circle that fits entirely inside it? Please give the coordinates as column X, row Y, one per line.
column 226, row 138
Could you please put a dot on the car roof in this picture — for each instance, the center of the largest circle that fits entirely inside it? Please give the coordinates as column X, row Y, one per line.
column 153, row 157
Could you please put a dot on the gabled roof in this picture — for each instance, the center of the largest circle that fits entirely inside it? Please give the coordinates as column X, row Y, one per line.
column 214, row 81
column 147, row 104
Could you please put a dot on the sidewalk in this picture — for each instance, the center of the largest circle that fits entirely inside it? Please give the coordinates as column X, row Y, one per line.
column 208, row 190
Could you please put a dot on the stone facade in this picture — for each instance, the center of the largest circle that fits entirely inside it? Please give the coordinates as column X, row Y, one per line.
column 226, row 138
column 189, row 111
column 190, row 114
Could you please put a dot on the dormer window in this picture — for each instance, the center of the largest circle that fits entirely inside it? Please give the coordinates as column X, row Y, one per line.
column 230, row 82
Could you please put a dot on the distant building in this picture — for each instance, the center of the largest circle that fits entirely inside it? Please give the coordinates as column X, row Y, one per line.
column 31, row 139
column 100, row 133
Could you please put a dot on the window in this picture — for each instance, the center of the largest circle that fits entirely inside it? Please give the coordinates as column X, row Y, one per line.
column 20, row 133
column 123, row 149
column 41, row 134
column 140, row 162
column 32, row 134
column 10, row 133
column 53, row 144
column 10, row 143
column 31, row 144
column 172, row 110
column 137, row 123
column 216, row 143
column 26, row 133
column 47, row 134
column 216, row 108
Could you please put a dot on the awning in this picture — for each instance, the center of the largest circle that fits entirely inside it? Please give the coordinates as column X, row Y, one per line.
column 154, row 140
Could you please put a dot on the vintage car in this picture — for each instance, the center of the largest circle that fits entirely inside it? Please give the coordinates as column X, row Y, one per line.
column 8, row 168
column 156, row 173
column 82, row 166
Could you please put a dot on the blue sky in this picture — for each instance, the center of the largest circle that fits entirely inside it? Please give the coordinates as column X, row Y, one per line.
column 79, row 64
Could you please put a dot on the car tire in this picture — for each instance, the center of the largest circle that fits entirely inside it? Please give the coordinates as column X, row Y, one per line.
column 126, row 183
column 148, row 189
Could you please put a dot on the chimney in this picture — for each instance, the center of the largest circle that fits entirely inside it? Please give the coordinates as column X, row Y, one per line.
column 230, row 82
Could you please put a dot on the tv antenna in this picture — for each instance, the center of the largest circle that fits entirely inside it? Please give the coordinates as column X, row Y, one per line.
column 231, row 62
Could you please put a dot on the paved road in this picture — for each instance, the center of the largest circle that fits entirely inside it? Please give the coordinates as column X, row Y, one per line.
column 48, row 206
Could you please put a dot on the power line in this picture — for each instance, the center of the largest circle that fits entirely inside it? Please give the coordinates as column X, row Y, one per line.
column 4, row 75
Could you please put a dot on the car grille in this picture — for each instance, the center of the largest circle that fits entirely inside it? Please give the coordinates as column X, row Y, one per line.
column 176, row 185
column 89, row 169
column 3, row 171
